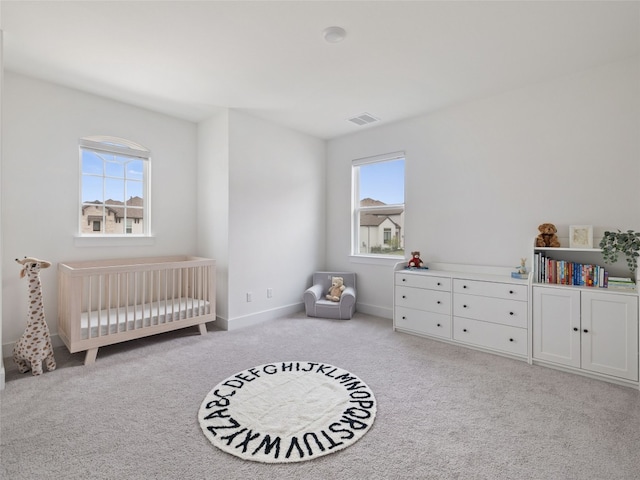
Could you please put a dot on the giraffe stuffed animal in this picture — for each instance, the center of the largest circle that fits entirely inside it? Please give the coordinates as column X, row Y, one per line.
column 34, row 345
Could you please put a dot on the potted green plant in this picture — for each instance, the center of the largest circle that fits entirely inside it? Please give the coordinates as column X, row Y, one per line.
column 627, row 243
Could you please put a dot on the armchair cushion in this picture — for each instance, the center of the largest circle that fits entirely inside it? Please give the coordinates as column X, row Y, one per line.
column 315, row 303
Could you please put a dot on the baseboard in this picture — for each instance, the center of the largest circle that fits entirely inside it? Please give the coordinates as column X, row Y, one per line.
column 375, row 310
column 259, row 317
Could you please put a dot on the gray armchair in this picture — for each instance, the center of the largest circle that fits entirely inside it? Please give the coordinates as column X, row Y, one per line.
column 315, row 303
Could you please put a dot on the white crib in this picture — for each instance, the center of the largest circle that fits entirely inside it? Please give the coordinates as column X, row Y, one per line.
column 109, row 301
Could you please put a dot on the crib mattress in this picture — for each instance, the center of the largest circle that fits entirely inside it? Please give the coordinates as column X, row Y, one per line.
column 114, row 320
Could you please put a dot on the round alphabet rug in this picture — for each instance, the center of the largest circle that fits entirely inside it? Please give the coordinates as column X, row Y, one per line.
column 287, row 412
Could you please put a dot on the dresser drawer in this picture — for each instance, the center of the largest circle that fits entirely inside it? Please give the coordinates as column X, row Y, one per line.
column 503, row 338
column 491, row 289
column 426, row 323
column 423, row 281
column 496, row 310
column 421, row 299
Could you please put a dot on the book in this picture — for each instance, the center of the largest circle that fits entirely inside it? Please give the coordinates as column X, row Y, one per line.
column 621, row 280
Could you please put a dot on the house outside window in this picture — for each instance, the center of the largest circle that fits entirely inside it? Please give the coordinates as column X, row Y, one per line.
column 114, row 187
column 378, row 205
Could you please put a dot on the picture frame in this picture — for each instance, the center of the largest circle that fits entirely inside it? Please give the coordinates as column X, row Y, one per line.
column 581, row 236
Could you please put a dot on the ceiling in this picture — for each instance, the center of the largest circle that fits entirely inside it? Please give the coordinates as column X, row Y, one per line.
column 398, row 60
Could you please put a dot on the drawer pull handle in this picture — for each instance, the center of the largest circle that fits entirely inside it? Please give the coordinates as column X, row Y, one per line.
column 511, row 292
column 464, row 286
column 438, row 302
column 439, row 325
column 511, row 339
column 510, row 313
column 438, row 284
column 404, row 318
column 464, row 306
column 404, row 279
column 404, row 296
column 586, row 331
column 464, row 329
column 575, row 329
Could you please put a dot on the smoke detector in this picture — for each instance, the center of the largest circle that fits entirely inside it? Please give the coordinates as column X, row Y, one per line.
column 334, row 34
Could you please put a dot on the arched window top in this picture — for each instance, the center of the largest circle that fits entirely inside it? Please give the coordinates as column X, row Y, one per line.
column 115, row 145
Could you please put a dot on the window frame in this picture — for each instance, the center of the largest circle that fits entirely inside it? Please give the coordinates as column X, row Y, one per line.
column 357, row 209
column 126, row 148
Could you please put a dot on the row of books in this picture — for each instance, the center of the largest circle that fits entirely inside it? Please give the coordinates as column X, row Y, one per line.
column 562, row 272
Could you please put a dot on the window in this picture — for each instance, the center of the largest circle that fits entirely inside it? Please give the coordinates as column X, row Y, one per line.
column 378, row 205
column 114, row 187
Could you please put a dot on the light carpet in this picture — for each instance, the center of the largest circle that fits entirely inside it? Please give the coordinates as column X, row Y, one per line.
column 287, row 411
column 444, row 412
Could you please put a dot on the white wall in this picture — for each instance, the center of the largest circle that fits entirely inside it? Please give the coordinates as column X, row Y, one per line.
column 213, row 202
column 481, row 176
column 276, row 216
column 1, row 254
column 42, row 124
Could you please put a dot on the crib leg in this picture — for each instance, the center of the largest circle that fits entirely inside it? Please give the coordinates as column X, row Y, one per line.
column 91, row 355
column 203, row 328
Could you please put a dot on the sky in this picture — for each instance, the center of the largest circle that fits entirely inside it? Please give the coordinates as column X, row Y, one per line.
column 122, row 177
column 383, row 181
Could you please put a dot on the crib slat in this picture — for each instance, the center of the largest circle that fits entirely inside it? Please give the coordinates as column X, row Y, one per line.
column 166, row 292
column 127, row 297
column 99, row 304
column 192, row 291
column 118, row 300
column 180, row 290
column 107, row 295
column 200, row 272
column 135, row 300
column 159, row 296
column 89, row 303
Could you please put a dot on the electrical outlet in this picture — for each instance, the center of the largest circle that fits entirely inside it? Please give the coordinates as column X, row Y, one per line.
column 248, row 296
column 269, row 292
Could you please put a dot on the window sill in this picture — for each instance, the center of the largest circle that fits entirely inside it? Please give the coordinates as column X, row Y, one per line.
column 113, row 240
column 377, row 259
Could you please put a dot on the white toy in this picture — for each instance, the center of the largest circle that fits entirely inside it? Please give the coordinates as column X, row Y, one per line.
column 34, row 345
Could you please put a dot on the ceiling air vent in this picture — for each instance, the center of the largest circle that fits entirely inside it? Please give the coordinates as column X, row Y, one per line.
column 363, row 119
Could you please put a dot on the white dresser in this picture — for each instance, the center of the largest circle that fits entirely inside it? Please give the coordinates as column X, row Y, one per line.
column 480, row 307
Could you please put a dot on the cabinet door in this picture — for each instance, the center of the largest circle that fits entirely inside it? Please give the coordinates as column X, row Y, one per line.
column 610, row 334
column 556, row 325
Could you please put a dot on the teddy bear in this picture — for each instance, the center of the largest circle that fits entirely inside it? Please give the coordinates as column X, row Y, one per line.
column 547, row 236
column 337, row 287
column 415, row 260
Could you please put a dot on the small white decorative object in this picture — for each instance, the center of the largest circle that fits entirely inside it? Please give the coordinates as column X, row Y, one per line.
column 581, row 236
column 521, row 270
